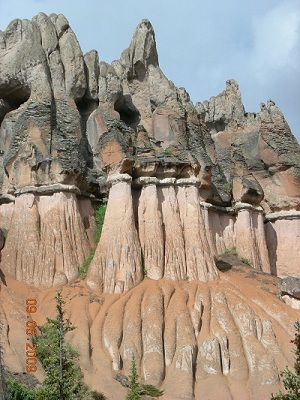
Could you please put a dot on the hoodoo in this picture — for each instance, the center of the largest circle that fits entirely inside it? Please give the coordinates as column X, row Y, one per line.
column 202, row 217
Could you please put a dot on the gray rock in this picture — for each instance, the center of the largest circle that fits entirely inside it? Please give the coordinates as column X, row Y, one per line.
column 122, row 379
column 91, row 60
column 49, row 189
column 142, row 51
column 66, row 119
column 2, row 239
column 290, row 286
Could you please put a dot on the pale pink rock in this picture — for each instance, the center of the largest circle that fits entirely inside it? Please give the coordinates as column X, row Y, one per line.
column 6, row 212
column 283, row 236
column 168, row 126
column 261, row 243
column 206, row 218
column 64, row 242
column 116, row 266
column 151, row 231
column 291, row 301
column 19, row 258
column 180, row 347
column 175, row 263
column 199, row 259
column 263, row 375
column 46, row 242
column 152, row 314
column 221, row 227
column 245, row 237
column 113, row 332
column 132, row 333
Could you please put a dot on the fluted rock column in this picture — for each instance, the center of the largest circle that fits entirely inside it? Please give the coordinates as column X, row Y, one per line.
column 150, row 228
column 175, row 263
column 20, row 254
column 116, row 266
column 205, row 213
column 245, row 239
column 46, row 242
column 199, row 257
column 261, row 241
column 64, row 243
column 250, row 237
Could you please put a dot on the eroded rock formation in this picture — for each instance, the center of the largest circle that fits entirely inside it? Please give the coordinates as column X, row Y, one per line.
column 226, row 338
column 183, row 183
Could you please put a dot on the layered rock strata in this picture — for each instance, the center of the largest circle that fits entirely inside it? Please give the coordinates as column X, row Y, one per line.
column 70, row 119
column 183, row 183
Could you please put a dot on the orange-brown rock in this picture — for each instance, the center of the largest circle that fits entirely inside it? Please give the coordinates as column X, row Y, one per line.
column 227, row 337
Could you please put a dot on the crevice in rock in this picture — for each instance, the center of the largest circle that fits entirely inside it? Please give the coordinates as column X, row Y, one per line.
column 12, row 98
column 85, row 108
column 129, row 114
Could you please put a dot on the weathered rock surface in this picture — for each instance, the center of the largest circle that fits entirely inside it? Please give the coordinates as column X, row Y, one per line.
column 290, row 286
column 46, row 242
column 69, row 120
column 257, row 152
column 283, row 234
column 117, row 265
column 227, row 337
column 183, row 184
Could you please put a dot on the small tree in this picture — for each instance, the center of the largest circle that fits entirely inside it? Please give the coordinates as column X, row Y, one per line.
column 291, row 380
column 137, row 389
column 134, row 393
column 64, row 378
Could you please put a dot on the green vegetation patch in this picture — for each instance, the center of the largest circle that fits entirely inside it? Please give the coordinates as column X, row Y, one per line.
column 99, row 218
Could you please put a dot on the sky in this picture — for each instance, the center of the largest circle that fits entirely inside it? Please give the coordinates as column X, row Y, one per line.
column 201, row 43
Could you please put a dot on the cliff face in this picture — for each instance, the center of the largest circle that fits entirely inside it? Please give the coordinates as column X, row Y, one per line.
column 184, row 183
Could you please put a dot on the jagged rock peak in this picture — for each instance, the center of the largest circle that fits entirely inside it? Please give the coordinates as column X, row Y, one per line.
column 142, row 51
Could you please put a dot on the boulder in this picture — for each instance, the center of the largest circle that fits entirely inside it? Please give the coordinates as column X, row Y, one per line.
column 290, row 286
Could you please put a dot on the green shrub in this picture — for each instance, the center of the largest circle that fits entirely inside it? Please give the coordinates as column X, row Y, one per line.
column 227, row 187
column 94, row 395
column 231, row 252
column 150, row 390
column 244, row 260
column 99, row 218
column 133, row 382
column 18, row 391
column 291, row 381
column 85, row 266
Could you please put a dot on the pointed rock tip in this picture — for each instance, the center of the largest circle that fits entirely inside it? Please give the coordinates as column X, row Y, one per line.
column 146, row 22
column 232, row 83
column 142, row 49
column 143, row 29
